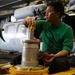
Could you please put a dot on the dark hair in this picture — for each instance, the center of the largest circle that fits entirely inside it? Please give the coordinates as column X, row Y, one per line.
column 57, row 6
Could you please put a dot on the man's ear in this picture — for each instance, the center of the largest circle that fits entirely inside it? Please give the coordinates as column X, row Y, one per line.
column 58, row 14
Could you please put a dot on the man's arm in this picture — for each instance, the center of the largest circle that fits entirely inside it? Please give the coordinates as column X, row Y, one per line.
column 61, row 53
column 53, row 56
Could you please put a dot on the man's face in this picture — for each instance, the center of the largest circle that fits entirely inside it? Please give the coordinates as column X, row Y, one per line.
column 51, row 15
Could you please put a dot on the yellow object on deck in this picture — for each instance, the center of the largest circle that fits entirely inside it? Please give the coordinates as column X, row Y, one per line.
column 40, row 72
column 14, row 71
column 69, row 72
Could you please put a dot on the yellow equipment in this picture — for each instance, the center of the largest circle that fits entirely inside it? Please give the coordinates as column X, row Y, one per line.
column 14, row 71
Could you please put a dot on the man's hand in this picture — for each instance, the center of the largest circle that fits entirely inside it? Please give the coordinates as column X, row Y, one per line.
column 47, row 62
column 47, row 58
column 29, row 21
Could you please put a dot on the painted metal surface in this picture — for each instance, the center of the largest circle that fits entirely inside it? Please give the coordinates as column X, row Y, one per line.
column 33, row 11
column 14, row 34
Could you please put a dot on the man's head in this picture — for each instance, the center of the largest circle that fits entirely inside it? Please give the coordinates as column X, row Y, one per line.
column 54, row 10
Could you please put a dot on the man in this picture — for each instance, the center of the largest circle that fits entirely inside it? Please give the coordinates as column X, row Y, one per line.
column 57, row 38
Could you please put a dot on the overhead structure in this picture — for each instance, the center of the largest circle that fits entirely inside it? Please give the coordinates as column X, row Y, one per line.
column 33, row 11
column 8, row 4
